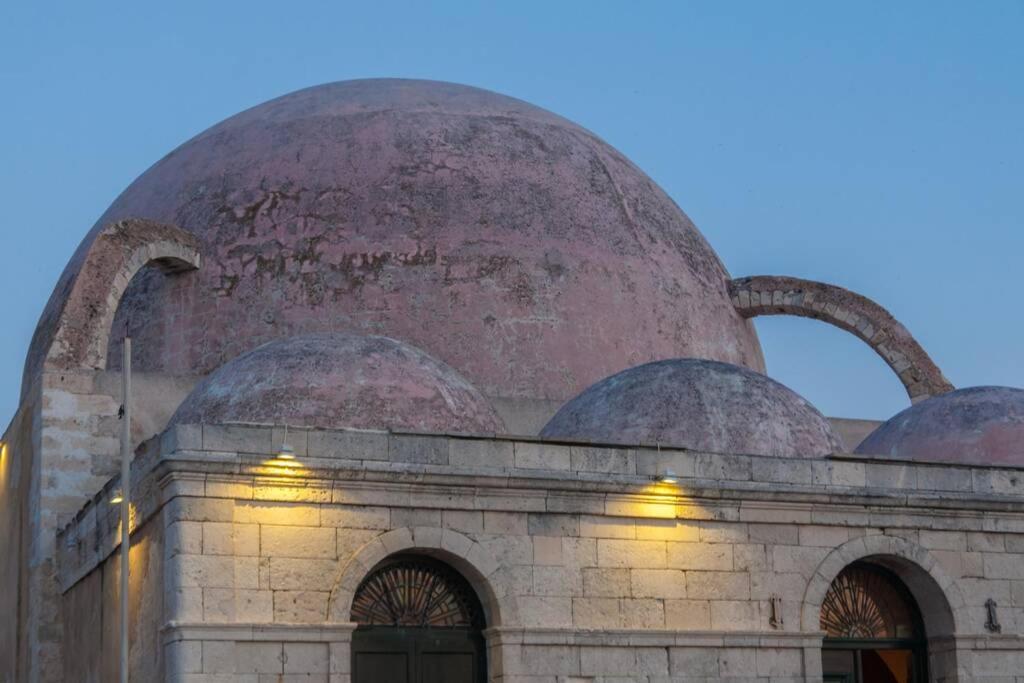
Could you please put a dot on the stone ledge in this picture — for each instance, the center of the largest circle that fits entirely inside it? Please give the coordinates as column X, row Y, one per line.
column 306, row 633
column 651, row 638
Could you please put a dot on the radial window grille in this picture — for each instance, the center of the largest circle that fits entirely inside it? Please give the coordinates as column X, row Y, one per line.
column 416, row 593
column 864, row 603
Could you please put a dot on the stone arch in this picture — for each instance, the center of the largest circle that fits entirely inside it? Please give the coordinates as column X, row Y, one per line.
column 849, row 311
column 116, row 254
column 937, row 595
column 491, row 582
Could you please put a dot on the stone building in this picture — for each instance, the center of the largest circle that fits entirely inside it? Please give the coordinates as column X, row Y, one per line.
column 431, row 384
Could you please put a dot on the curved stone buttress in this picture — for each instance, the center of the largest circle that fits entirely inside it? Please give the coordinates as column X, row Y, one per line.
column 775, row 295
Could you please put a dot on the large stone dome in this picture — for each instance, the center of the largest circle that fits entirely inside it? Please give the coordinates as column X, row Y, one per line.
column 340, row 381
column 501, row 238
column 974, row 426
column 697, row 404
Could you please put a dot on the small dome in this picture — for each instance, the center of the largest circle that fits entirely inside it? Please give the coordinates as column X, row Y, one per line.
column 698, row 404
column 340, row 380
column 976, row 426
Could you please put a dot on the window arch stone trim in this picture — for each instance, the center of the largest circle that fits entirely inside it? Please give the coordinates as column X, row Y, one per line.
column 491, row 582
column 937, row 595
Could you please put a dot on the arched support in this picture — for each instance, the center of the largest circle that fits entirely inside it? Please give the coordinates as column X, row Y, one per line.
column 773, row 295
column 492, row 584
column 117, row 253
column 937, row 594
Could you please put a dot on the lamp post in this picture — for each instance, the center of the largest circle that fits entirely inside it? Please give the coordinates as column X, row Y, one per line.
column 126, row 474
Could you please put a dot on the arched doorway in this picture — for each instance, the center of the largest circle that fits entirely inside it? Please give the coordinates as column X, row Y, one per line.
column 873, row 629
column 419, row 622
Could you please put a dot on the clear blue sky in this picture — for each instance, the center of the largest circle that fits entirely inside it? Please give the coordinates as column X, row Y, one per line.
column 875, row 145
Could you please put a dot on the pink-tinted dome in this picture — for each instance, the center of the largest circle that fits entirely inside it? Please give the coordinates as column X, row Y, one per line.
column 337, row 381
column 503, row 239
column 697, row 404
column 974, row 425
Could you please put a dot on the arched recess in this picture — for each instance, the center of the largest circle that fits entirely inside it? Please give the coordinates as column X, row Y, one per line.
column 937, row 596
column 116, row 254
column 491, row 582
column 774, row 295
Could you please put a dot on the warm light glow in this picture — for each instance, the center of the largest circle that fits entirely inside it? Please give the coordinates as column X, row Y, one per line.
column 286, row 452
column 667, row 476
column 117, row 498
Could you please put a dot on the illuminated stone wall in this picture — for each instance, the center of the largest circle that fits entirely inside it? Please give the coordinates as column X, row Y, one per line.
column 588, row 569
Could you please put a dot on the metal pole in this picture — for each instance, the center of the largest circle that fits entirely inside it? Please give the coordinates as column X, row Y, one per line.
column 126, row 482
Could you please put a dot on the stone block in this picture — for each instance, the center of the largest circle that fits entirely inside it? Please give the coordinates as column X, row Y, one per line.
column 219, row 605
column 481, row 453
column 602, row 459
column 184, row 604
column 885, row 476
column 580, row 552
column 735, row 615
column 628, row 553
column 557, row 581
column 700, row 556
column 1003, row 565
column 551, row 660
column 542, row 456
column 238, row 439
column 184, row 538
column 551, row 524
column 607, row 661
column 302, row 574
column 300, row 607
column 824, row 536
column 259, row 658
column 723, row 467
column 688, row 615
column 355, row 517
column 797, row 559
column 423, row 450
column 202, row 571
column 750, row 557
column 183, row 657
column 187, row 509
column 782, row 470
column 245, row 539
column 547, row 550
column 247, row 572
column 736, row 662
column 666, row 530
column 351, row 540
column 218, row 657
column 943, row 540
column 718, row 585
column 348, row 444
column 723, row 532
column 278, row 514
column 657, row 583
column 607, row 583
column 546, row 612
column 292, row 541
column 653, row 462
column 415, row 517
column 254, row 606
column 607, row 527
column 505, row 522
column 693, row 662
column 218, row 538
column 595, row 613
column 306, row 658
column 463, row 521
column 986, row 542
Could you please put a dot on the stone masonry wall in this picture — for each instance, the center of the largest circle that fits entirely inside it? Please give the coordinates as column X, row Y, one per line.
column 588, row 569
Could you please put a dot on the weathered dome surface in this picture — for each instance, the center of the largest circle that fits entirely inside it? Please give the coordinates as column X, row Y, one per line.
column 501, row 238
column 338, row 381
column 974, row 425
column 697, row 404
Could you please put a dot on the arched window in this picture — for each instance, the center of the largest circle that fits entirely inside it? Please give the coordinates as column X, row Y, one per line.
column 419, row 620
column 873, row 629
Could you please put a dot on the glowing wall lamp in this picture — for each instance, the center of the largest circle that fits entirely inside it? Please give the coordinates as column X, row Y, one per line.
column 667, row 476
column 285, row 452
column 117, row 498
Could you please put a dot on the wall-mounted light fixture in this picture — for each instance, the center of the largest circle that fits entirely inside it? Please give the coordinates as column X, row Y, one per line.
column 667, row 476
column 117, row 498
column 285, row 452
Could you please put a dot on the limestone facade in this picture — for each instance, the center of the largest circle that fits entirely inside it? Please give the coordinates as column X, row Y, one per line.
column 588, row 569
